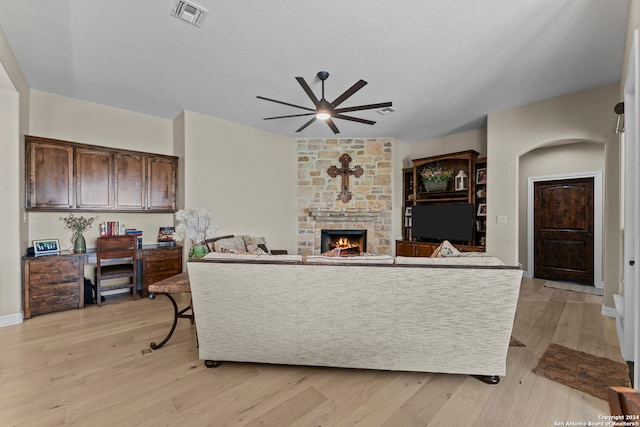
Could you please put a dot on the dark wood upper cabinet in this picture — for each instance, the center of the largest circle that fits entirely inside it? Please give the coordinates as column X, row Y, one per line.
column 49, row 174
column 130, row 176
column 65, row 176
column 161, row 188
column 94, row 189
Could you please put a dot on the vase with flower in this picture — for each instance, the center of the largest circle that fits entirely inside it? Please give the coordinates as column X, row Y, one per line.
column 78, row 225
column 195, row 225
column 435, row 177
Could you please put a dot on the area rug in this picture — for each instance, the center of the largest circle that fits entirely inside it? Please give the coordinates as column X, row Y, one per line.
column 585, row 372
column 583, row 289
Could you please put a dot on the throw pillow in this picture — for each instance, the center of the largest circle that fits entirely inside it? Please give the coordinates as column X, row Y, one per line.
column 447, row 249
column 436, row 251
column 258, row 241
column 254, row 249
column 232, row 244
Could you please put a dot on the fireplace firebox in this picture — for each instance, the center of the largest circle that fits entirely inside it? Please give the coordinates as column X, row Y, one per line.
column 350, row 242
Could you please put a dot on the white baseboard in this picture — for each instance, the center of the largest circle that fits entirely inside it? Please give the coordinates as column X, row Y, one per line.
column 11, row 319
column 609, row 311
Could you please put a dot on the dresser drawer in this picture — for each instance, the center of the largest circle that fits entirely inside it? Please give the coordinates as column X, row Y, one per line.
column 54, row 297
column 53, row 271
column 162, row 265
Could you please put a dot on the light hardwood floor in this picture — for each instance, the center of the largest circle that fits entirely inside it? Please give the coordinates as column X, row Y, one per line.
column 93, row 367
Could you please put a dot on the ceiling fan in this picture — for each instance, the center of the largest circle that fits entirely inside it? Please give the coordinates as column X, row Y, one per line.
column 325, row 110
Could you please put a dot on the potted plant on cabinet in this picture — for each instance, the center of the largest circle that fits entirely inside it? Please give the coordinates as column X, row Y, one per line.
column 78, row 225
column 435, row 177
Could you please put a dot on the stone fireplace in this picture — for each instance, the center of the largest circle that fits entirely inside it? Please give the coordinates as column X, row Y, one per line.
column 319, row 205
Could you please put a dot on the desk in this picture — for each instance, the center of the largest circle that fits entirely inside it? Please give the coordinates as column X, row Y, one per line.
column 56, row 282
column 173, row 285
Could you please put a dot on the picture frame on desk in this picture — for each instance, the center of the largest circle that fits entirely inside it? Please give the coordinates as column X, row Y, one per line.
column 165, row 234
column 46, row 247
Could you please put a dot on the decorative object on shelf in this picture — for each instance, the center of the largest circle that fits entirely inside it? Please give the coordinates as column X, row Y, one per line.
column 78, row 225
column 482, row 209
column 481, row 176
column 435, row 177
column 461, row 181
column 46, row 247
column 345, row 171
column 196, row 225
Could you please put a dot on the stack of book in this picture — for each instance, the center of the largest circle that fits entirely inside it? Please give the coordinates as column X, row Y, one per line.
column 111, row 228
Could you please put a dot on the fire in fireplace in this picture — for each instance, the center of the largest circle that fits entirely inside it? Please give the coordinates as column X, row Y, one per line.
column 350, row 242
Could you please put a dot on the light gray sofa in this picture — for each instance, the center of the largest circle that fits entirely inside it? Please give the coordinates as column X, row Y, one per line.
column 412, row 314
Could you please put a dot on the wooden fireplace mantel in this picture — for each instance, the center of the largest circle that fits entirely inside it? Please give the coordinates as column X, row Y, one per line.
column 351, row 215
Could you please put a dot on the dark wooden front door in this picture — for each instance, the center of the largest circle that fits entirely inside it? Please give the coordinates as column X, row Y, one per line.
column 563, row 230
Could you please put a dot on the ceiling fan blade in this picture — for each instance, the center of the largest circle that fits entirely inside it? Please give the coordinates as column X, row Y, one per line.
column 354, row 119
column 353, row 89
column 332, row 125
column 284, row 103
column 307, row 124
column 308, row 90
column 291, row 115
column 363, row 107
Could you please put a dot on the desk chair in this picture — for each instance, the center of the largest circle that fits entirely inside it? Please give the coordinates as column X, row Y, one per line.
column 116, row 259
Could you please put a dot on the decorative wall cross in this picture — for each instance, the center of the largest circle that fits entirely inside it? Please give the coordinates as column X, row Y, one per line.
column 345, row 171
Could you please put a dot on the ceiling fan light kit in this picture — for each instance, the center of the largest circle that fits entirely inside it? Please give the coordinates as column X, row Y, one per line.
column 325, row 110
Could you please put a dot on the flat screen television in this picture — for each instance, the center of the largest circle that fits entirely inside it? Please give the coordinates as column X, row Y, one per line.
column 443, row 222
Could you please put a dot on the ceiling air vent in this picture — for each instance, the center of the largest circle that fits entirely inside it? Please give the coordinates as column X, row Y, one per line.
column 189, row 12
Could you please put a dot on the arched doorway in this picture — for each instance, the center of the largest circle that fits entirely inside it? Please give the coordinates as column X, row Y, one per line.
column 553, row 162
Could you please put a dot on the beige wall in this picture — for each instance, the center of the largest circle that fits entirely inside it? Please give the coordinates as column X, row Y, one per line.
column 475, row 139
column 246, row 177
column 582, row 116
column 14, row 121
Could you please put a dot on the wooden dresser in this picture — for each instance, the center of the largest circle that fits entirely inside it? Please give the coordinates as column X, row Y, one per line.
column 159, row 264
column 53, row 283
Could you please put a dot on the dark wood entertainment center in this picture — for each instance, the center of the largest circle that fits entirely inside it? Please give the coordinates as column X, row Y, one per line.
column 414, row 194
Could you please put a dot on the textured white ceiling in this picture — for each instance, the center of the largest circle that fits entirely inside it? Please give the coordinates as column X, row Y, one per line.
column 444, row 64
